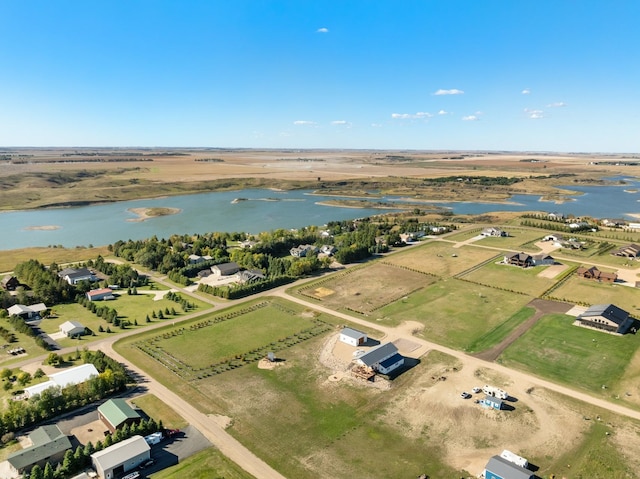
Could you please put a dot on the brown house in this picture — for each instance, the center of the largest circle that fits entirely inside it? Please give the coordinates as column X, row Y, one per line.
column 523, row 260
column 9, row 283
column 596, row 275
column 628, row 251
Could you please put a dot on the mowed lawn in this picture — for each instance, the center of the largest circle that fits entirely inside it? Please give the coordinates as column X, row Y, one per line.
column 454, row 312
column 367, row 288
column 514, row 278
column 207, row 464
column 220, row 341
column 517, row 238
column 441, row 258
column 581, row 290
column 130, row 307
column 583, row 358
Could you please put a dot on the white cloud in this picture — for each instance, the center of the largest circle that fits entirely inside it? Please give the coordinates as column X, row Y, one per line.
column 453, row 91
column 411, row 116
column 470, row 118
column 340, row 122
column 322, row 30
column 558, row 104
column 376, row 125
column 526, row 91
column 442, row 112
column 304, row 122
column 534, row 114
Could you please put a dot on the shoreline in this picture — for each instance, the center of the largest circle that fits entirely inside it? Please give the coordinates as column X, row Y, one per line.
column 144, row 214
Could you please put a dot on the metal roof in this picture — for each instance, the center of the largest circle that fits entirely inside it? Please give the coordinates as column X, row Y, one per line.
column 112, row 456
column 117, row 411
column 608, row 311
column 391, row 361
column 352, row 333
column 378, row 354
column 70, row 326
column 47, row 441
column 507, row 470
column 75, row 375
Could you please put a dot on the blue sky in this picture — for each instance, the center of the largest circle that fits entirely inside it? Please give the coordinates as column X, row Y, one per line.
column 502, row 75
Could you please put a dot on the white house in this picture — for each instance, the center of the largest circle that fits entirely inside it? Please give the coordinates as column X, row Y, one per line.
column 353, row 337
column 493, row 232
column 122, row 457
column 27, row 312
column 64, row 378
column 74, row 276
column 72, row 328
column 384, row 358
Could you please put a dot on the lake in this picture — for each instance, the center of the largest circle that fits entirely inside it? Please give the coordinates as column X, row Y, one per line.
column 263, row 210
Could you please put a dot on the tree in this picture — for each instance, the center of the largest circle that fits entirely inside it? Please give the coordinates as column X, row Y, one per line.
column 24, row 378
column 38, row 373
column 36, row 472
column 48, row 471
column 53, row 359
column 160, row 314
column 6, row 373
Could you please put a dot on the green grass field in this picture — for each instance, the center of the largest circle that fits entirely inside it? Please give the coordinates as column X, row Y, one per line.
column 580, row 290
column 517, row 238
column 158, row 410
column 583, row 358
column 521, row 280
column 454, row 312
column 500, row 332
column 207, row 464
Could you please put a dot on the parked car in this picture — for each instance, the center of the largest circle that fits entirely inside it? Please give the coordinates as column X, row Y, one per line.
column 465, row 395
column 476, row 390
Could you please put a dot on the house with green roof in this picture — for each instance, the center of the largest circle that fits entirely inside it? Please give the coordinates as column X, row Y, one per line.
column 115, row 413
column 48, row 444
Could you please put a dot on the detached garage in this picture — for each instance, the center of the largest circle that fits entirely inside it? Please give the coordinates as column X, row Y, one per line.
column 122, row 457
column 353, row 337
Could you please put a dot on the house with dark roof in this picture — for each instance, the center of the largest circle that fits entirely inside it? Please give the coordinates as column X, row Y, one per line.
column 9, row 283
column 628, row 251
column 523, row 260
column 250, row 275
column 495, row 232
column 383, row 358
column 500, row 468
column 607, row 317
column 74, row 276
column 303, row 250
column 543, row 260
column 225, row 269
column 596, row 275
column 116, row 413
column 48, row 444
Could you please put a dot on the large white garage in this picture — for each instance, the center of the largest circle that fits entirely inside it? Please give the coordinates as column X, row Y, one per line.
column 122, row 457
column 353, row 337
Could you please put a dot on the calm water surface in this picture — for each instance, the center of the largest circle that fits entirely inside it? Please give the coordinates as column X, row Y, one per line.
column 265, row 210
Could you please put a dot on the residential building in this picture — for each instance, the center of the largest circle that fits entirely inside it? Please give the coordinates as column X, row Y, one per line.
column 225, row 269
column 10, row 283
column 597, row 275
column 48, row 444
column 628, row 251
column 250, row 275
column 303, row 250
column 607, row 317
column 74, row 276
column 523, row 260
column 496, row 232
column 542, row 260
column 383, row 358
column 501, row 468
column 27, row 312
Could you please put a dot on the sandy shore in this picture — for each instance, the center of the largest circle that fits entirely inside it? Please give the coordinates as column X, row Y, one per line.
column 43, row 228
column 144, row 214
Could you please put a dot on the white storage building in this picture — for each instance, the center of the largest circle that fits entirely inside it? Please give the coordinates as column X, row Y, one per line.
column 122, row 457
column 72, row 328
column 353, row 337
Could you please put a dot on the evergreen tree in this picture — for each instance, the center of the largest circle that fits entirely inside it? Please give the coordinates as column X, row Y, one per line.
column 48, row 471
column 36, row 472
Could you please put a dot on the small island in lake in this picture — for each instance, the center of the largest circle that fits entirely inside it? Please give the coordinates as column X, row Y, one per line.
column 148, row 213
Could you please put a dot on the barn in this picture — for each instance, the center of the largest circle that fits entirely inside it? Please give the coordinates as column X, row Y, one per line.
column 122, row 457
column 116, row 412
column 607, row 317
column 100, row 294
column 500, row 468
column 353, row 337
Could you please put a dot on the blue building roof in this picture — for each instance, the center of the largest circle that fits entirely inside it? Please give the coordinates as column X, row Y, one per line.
column 391, row 361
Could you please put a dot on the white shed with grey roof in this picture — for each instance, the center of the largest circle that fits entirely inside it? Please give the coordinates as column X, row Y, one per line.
column 353, row 337
column 500, row 468
column 384, row 358
column 122, row 457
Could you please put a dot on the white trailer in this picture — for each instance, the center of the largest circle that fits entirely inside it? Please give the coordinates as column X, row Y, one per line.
column 154, row 438
column 514, row 458
column 495, row 392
